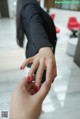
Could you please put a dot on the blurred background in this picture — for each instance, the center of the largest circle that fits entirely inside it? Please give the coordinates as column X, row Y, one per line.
column 63, row 101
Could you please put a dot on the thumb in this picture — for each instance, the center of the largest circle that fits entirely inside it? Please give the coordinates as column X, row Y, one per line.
column 42, row 93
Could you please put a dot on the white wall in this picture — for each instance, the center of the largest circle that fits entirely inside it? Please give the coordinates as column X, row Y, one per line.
column 62, row 16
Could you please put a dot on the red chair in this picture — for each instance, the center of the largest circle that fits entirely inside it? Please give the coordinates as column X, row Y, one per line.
column 74, row 26
column 52, row 16
column 79, row 27
column 72, row 23
column 57, row 30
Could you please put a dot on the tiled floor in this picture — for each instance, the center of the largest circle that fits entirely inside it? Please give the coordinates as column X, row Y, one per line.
column 63, row 101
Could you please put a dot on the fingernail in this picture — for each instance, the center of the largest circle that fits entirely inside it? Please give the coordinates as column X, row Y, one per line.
column 21, row 67
column 28, row 78
column 35, row 88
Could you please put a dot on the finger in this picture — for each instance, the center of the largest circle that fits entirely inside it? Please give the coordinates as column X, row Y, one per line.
column 33, row 68
column 27, row 85
column 42, row 93
column 54, row 74
column 26, row 62
column 31, row 78
column 39, row 74
column 50, row 72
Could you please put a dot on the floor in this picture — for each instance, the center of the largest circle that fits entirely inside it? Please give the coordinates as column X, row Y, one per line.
column 63, row 101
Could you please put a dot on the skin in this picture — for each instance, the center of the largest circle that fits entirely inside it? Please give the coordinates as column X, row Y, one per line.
column 24, row 104
column 43, row 60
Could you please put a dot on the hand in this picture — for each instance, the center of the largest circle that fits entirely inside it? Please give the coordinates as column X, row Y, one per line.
column 23, row 104
column 44, row 60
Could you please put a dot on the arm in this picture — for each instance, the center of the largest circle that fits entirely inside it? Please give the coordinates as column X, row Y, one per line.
column 31, row 16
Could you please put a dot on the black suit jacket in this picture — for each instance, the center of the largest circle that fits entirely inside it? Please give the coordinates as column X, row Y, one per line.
column 38, row 27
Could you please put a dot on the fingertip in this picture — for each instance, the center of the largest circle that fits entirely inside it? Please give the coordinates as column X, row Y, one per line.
column 28, row 79
column 35, row 88
column 21, row 67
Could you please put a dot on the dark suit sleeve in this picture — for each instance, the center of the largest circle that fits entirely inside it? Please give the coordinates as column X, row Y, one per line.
column 31, row 16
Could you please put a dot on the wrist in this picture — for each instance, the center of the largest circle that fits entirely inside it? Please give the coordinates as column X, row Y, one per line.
column 45, row 48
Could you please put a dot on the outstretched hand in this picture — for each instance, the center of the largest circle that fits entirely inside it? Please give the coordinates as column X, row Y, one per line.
column 43, row 60
column 26, row 102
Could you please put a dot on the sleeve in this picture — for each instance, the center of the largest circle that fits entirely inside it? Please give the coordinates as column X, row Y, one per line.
column 38, row 34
